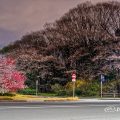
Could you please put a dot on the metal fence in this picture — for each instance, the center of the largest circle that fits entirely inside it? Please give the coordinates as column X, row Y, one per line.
column 113, row 95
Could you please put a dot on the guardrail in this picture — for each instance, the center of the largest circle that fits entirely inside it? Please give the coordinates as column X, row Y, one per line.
column 114, row 95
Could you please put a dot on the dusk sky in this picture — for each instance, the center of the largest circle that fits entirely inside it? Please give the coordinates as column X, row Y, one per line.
column 18, row 17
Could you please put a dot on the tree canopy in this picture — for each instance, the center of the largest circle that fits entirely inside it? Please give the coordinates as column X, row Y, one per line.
column 85, row 39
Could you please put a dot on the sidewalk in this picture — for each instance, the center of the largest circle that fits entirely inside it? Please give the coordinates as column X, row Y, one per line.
column 100, row 100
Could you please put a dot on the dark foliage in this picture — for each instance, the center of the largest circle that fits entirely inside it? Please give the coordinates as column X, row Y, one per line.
column 84, row 39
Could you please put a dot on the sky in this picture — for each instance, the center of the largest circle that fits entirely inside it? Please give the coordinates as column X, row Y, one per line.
column 19, row 17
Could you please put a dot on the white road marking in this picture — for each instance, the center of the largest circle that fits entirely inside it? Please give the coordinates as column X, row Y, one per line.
column 102, row 105
column 42, row 107
column 58, row 106
column 53, row 106
column 35, row 107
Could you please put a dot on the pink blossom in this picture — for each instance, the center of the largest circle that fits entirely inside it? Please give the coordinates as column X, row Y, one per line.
column 10, row 78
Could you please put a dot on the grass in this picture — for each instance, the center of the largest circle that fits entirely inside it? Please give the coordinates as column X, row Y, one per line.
column 62, row 99
column 5, row 98
column 47, row 94
column 19, row 97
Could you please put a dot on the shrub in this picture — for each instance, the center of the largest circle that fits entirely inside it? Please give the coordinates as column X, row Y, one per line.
column 90, row 89
column 62, row 93
column 78, row 92
column 78, row 84
column 7, row 94
column 56, row 88
column 83, row 88
column 27, row 91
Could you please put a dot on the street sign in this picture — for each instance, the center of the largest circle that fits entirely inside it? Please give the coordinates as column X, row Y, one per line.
column 73, row 80
column 73, row 77
column 102, row 78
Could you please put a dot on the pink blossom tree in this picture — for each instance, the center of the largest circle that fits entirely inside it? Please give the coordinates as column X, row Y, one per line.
column 10, row 78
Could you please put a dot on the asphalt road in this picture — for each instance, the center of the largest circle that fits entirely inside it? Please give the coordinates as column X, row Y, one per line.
column 60, row 111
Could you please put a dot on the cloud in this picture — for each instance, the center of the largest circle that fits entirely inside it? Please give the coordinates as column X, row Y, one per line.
column 22, row 16
column 26, row 15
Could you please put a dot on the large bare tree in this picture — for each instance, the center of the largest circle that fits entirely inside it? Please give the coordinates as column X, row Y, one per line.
column 85, row 39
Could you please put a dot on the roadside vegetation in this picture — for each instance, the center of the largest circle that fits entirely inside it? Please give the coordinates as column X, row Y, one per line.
column 86, row 40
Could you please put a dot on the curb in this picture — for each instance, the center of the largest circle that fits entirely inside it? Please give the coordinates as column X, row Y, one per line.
column 13, row 101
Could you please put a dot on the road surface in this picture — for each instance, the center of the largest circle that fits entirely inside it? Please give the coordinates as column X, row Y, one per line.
column 60, row 111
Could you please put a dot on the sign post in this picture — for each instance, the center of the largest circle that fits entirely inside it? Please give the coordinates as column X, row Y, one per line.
column 73, row 80
column 101, row 89
column 36, row 87
column 102, row 78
